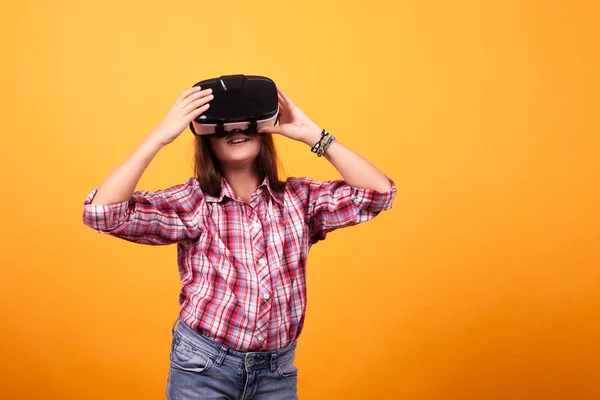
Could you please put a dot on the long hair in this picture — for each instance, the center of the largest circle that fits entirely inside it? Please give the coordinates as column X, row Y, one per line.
column 207, row 167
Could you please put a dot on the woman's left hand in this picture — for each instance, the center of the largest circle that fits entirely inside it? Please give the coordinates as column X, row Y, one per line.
column 293, row 123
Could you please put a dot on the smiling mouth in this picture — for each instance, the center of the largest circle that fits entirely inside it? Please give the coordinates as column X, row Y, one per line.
column 237, row 141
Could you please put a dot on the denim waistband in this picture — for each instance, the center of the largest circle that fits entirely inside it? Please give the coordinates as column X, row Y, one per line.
column 224, row 354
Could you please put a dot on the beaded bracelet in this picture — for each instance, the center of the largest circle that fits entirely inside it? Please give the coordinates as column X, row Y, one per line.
column 324, row 148
column 321, row 146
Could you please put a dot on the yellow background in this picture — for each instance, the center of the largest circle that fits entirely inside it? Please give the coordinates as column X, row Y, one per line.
column 483, row 280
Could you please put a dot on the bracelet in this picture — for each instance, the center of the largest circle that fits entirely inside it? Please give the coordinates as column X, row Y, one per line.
column 324, row 148
column 319, row 144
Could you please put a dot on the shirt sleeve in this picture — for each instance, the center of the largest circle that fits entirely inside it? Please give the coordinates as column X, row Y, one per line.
column 161, row 217
column 336, row 204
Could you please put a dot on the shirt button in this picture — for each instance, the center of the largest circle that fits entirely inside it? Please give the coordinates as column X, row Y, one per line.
column 266, row 296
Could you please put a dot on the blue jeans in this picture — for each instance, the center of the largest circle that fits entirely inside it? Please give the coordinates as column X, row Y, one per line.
column 202, row 368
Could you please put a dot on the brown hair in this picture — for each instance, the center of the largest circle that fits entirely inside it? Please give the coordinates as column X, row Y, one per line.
column 207, row 167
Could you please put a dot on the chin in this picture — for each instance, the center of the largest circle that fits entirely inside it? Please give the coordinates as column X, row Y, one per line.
column 237, row 157
column 244, row 153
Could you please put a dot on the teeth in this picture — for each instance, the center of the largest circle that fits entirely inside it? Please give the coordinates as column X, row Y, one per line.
column 237, row 141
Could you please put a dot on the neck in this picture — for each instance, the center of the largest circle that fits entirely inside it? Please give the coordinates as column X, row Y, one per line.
column 243, row 180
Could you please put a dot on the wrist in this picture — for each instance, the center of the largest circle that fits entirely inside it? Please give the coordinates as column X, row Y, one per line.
column 312, row 136
column 154, row 142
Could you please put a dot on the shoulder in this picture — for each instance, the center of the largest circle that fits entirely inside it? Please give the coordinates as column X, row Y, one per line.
column 188, row 186
column 184, row 191
column 297, row 188
column 305, row 187
column 298, row 182
column 306, row 184
column 299, row 185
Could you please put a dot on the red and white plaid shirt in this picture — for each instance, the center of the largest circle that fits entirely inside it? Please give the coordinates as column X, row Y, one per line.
column 242, row 266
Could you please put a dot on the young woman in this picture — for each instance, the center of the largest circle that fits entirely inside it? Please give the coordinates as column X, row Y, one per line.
column 242, row 237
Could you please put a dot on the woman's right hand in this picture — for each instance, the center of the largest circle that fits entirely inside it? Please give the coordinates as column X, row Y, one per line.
column 189, row 105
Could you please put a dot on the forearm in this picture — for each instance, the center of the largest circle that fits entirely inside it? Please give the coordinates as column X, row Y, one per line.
column 356, row 170
column 121, row 182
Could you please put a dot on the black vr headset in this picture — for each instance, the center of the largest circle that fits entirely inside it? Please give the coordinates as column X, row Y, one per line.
column 244, row 102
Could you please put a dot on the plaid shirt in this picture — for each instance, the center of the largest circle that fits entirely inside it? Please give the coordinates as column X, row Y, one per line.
column 242, row 265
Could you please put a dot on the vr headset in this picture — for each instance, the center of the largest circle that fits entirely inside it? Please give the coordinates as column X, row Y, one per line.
column 244, row 102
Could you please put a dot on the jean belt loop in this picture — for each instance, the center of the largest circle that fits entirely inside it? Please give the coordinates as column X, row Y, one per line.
column 274, row 363
column 221, row 356
column 175, row 323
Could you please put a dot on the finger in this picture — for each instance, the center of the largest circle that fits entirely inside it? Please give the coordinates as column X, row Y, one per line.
column 282, row 105
column 198, row 111
column 285, row 97
column 195, row 96
column 186, row 93
column 197, row 103
column 280, row 97
column 270, row 129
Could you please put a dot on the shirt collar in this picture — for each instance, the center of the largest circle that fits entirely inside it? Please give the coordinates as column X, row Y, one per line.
column 227, row 190
column 277, row 196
